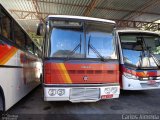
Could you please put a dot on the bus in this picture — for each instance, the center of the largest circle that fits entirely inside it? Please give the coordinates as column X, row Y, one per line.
column 140, row 59
column 80, row 59
column 20, row 65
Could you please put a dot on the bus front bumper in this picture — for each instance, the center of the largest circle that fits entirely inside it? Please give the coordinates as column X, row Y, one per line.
column 81, row 94
column 132, row 84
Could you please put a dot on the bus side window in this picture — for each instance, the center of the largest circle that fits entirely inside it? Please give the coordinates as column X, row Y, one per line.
column 19, row 36
column 6, row 25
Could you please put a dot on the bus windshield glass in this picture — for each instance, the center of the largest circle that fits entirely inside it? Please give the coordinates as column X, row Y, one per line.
column 87, row 40
column 141, row 50
column 67, row 42
column 100, row 42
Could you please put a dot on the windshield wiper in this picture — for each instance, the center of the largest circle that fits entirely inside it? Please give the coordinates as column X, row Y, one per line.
column 94, row 49
column 75, row 49
column 142, row 53
column 150, row 54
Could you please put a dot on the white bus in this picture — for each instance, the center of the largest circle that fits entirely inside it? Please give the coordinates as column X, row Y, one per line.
column 20, row 66
column 140, row 59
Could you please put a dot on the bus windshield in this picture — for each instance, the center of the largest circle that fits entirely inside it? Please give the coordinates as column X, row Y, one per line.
column 91, row 40
column 141, row 50
column 67, row 42
column 100, row 43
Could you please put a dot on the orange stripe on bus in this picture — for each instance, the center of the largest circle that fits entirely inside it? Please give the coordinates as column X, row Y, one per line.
column 65, row 75
column 8, row 56
column 59, row 76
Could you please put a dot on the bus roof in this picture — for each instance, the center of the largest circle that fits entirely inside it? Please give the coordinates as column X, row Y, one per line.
column 81, row 18
column 135, row 31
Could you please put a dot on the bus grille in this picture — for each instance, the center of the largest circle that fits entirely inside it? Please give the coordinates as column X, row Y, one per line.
column 84, row 94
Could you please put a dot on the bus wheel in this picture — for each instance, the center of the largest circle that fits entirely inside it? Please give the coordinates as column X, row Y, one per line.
column 1, row 103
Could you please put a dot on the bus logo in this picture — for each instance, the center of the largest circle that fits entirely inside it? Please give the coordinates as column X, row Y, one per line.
column 85, row 78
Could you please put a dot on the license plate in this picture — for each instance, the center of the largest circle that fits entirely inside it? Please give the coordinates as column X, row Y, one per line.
column 107, row 96
column 151, row 82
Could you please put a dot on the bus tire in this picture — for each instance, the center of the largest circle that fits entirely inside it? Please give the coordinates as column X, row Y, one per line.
column 1, row 102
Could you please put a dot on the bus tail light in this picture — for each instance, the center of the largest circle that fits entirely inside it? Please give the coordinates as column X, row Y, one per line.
column 158, row 78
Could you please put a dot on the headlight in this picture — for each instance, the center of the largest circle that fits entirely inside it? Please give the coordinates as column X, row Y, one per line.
column 52, row 92
column 130, row 76
column 145, row 78
column 114, row 90
column 107, row 90
column 158, row 78
column 60, row 92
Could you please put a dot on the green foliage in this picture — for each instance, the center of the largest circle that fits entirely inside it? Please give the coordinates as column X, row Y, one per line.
column 37, row 39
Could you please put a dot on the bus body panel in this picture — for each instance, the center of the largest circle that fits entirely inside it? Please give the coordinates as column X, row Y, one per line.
column 80, row 73
column 17, row 78
column 90, row 81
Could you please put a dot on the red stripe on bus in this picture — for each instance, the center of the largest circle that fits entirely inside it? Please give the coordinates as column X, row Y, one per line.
column 7, row 52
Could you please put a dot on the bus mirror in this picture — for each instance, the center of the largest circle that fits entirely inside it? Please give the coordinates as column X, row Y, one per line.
column 40, row 29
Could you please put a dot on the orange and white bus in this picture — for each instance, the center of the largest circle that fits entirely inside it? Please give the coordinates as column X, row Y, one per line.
column 80, row 59
column 140, row 59
column 20, row 66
